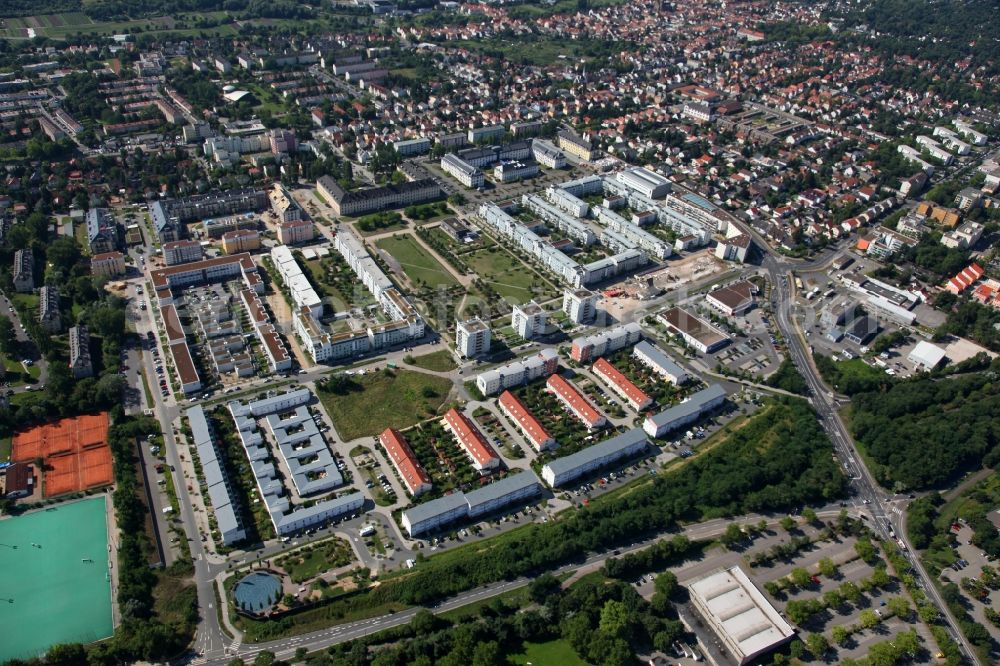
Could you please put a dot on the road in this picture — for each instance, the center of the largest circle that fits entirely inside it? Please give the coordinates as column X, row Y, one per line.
column 318, row 640
column 887, row 514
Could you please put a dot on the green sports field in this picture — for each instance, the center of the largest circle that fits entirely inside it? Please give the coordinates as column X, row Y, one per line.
column 54, row 585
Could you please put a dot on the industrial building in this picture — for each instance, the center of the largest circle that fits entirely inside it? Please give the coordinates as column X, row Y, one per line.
column 433, row 515
column 515, row 373
column 561, row 471
column 741, row 616
column 402, row 457
column 695, row 332
column 689, row 411
column 926, row 356
column 654, row 357
column 733, row 299
column 644, row 181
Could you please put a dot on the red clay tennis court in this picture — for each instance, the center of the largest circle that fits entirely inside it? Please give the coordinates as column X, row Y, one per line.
column 74, row 450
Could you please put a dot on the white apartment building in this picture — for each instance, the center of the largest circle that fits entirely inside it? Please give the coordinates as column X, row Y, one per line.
column 547, row 155
column 515, row 373
column 580, row 305
column 181, row 252
column 462, row 171
column 472, row 338
column 508, row 172
column 528, row 320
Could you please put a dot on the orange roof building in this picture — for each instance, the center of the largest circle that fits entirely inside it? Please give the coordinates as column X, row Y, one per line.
column 405, row 461
column 530, row 427
column 471, row 440
column 620, row 384
column 576, row 402
column 965, row 279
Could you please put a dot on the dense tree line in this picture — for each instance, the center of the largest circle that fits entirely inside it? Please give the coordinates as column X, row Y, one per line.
column 779, row 460
column 968, row 318
column 600, row 619
column 924, row 432
column 788, row 378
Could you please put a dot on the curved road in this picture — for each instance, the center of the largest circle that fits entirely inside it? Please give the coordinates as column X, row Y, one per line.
column 887, row 520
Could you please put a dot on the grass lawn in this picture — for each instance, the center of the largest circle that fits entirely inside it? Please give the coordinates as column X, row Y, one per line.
column 5, row 444
column 419, row 265
column 314, row 559
column 553, row 652
column 439, row 361
column 505, row 274
column 378, row 401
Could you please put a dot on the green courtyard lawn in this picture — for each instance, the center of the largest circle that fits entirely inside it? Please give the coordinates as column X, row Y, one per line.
column 439, row 361
column 5, row 448
column 365, row 405
column 312, row 560
column 510, row 278
column 420, row 266
column 553, row 652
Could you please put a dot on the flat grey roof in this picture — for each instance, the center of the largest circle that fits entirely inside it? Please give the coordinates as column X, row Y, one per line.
column 692, row 406
column 434, row 508
column 656, row 355
column 498, row 489
column 597, row 451
column 329, row 507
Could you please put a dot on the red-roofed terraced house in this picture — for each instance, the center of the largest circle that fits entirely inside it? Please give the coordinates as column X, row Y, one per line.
column 405, row 461
column 530, row 427
column 620, row 384
column 472, row 441
column 576, row 402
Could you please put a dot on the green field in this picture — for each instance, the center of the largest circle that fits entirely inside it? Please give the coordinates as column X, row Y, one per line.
column 57, row 577
column 439, row 361
column 373, row 402
column 312, row 560
column 554, row 653
column 508, row 276
column 5, row 444
column 419, row 265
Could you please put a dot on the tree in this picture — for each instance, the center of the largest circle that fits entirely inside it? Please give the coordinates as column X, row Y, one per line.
column 868, row 619
column 732, row 535
column 899, row 607
column 264, row 658
column 850, row 592
column 817, row 644
column 865, row 550
column 840, row 634
column 800, row 577
column 8, row 337
column 810, row 516
column 666, row 584
column 787, row 523
column 543, row 589
column 486, row 654
column 615, row 619
column 880, row 577
column 833, row 599
column 827, row 567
